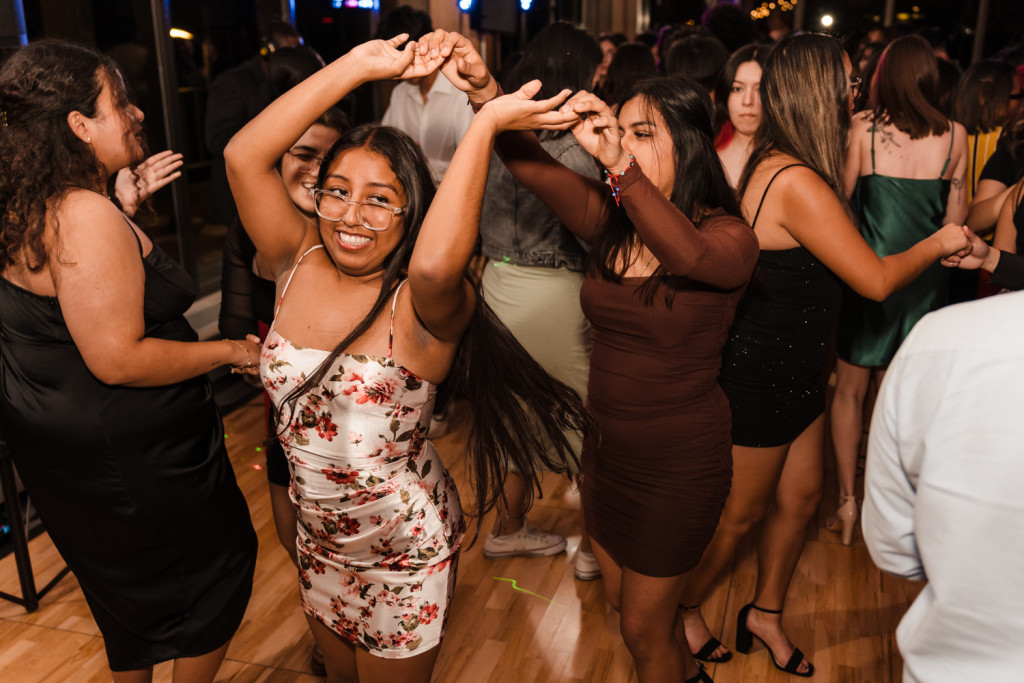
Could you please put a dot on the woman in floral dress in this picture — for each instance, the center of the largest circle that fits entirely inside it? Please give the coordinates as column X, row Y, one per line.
column 379, row 520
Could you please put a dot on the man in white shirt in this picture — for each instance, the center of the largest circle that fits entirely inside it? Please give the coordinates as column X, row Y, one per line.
column 430, row 110
column 943, row 499
column 434, row 113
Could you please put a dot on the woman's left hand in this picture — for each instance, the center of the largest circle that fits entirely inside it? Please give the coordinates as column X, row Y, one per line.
column 133, row 188
column 598, row 130
column 381, row 59
column 519, row 111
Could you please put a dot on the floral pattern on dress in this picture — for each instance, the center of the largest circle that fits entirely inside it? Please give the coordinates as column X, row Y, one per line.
column 379, row 519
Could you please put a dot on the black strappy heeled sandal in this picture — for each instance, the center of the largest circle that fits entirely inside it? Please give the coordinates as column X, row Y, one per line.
column 745, row 641
column 701, row 677
column 708, row 648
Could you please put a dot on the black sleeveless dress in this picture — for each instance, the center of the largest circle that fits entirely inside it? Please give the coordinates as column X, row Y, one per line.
column 133, row 484
column 773, row 362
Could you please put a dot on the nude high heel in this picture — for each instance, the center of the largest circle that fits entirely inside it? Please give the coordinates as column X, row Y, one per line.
column 845, row 518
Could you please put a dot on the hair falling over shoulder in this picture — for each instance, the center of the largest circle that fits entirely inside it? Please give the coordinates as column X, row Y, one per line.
column 518, row 409
column 41, row 84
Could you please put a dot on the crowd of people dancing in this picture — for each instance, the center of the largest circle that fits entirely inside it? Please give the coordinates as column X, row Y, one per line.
column 680, row 243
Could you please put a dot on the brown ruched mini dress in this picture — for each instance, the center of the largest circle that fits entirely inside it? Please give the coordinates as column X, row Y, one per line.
column 655, row 482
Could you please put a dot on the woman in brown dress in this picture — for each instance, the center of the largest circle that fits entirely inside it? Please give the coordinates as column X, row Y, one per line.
column 669, row 258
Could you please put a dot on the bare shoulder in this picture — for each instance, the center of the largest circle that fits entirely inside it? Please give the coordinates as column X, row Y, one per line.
column 84, row 225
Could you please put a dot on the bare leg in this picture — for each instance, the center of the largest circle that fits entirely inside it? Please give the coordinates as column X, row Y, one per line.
column 784, row 534
column 847, row 421
column 509, row 517
column 348, row 664
column 755, row 474
column 201, row 669
column 611, row 573
column 284, row 519
column 648, row 627
column 133, row 676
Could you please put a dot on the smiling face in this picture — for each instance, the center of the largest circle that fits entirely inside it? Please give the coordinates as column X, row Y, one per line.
column 115, row 131
column 301, row 164
column 647, row 138
column 362, row 175
column 744, row 102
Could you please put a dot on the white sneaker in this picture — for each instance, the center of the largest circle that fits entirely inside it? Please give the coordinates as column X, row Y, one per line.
column 585, row 567
column 527, row 542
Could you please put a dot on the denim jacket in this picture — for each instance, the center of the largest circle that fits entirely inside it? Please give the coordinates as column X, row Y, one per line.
column 516, row 225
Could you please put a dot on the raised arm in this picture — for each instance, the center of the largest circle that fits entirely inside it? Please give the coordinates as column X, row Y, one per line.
column 580, row 203
column 809, row 210
column 441, row 294
column 274, row 223
column 99, row 281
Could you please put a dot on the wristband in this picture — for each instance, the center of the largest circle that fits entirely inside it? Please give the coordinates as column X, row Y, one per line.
column 614, row 178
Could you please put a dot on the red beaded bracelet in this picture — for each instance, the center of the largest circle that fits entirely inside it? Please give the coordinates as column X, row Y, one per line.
column 613, row 178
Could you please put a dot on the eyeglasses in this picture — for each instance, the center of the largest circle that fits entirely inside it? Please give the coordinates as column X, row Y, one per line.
column 332, row 206
column 306, row 162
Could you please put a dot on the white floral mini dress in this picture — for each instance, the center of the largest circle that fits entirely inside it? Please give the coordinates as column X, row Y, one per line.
column 379, row 519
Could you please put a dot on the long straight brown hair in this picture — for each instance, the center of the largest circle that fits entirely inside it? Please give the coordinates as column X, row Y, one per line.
column 805, row 109
column 904, row 89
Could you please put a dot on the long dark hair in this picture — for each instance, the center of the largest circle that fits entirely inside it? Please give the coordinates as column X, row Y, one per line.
column 515, row 402
column 562, row 57
column 700, row 184
column 747, row 53
column 40, row 155
column 630, row 62
column 805, row 109
column 904, row 91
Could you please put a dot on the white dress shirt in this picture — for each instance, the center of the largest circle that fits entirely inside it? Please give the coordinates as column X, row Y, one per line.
column 436, row 125
column 944, row 491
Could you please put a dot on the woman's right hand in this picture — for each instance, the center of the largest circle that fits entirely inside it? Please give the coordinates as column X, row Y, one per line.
column 597, row 130
column 977, row 255
column 519, row 111
column 952, row 239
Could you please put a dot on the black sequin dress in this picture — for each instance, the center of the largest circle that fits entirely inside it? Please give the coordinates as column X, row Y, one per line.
column 773, row 362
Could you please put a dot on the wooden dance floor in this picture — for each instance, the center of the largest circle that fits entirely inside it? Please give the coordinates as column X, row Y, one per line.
column 841, row 610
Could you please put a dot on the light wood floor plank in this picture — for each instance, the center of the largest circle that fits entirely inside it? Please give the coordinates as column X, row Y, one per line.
column 841, row 610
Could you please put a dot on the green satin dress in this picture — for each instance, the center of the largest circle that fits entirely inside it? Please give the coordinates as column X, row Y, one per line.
column 895, row 214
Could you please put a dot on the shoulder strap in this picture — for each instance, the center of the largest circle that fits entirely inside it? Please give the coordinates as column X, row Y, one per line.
column 291, row 274
column 766, row 187
column 874, row 124
column 391, row 327
column 134, row 234
column 949, row 154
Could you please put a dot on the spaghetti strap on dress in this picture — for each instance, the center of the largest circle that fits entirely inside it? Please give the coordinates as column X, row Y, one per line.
column 894, row 215
column 379, row 519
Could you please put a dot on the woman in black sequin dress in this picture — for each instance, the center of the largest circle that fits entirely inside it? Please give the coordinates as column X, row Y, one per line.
column 772, row 370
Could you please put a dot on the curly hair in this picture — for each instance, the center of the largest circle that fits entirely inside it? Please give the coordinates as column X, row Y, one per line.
column 42, row 158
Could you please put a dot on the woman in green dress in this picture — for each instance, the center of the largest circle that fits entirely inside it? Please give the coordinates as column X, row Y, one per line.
column 906, row 168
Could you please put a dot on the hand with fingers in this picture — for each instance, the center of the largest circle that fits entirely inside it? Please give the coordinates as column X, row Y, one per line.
column 382, row 59
column 462, row 64
column 977, row 254
column 597, row 130
column 132, row 187
column 519, row 111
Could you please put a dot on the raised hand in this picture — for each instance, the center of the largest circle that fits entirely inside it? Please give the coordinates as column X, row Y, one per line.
column 519, row 111
column 462, row 64
column 133, row 188
column 381, row 59
column 597, row 130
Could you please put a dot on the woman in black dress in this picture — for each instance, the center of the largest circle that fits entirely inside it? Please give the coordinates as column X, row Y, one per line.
column 103, row 395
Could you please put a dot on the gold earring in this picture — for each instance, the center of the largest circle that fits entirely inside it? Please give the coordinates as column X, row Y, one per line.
column 88, row 141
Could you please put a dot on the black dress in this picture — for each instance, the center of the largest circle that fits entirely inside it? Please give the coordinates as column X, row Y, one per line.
column 133, row 484
column 773, row 362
